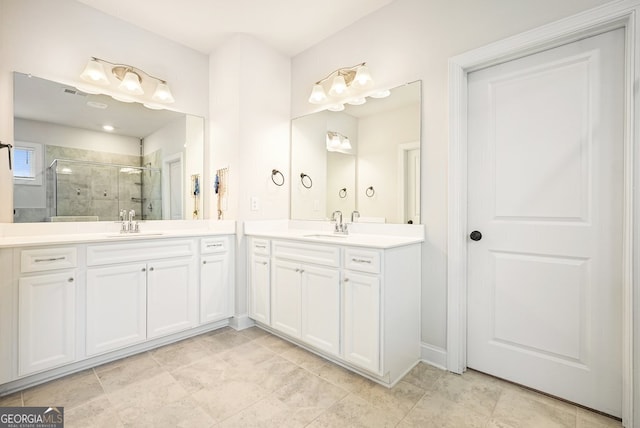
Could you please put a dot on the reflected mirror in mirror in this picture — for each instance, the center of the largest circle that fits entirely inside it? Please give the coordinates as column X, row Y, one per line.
column 377, row 172
column 87, row 157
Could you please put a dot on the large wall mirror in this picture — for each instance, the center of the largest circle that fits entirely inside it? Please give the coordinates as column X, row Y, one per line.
column 365, row 158
column 87, row 157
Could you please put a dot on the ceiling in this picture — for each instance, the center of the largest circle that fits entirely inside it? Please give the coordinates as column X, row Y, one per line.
column 289, row 26
column 46, row 101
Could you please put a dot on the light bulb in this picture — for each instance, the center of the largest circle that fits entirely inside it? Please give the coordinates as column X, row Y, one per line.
column 338, row 87
column 94, row 73
column 318, row 96
column 131, row 83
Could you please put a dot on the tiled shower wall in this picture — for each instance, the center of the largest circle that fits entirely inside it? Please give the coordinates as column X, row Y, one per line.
column 101, row 191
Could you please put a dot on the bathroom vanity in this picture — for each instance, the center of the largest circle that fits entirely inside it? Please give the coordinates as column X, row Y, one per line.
column 354, row 299
column 69, row 301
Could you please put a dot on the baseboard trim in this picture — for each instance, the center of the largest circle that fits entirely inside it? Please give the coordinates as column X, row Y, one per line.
column 434, row 355
column 241, row 322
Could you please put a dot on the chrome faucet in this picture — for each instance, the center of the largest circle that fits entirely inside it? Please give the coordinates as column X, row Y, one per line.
column 340, row 227
column 355, row 215
column 129, row 225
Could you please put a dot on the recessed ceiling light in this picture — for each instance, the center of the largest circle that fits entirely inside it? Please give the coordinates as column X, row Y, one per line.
column 108, row 128
column 98, row 105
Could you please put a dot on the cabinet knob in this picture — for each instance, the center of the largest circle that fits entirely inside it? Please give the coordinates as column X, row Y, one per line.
column 204, row 262
column 70, row 280
column 264, row 263
column 144, row 269
column 346, row 280
column 151, row 269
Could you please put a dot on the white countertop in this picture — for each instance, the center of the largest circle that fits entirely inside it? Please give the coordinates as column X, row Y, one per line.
column 32, row 234
column 360, row 235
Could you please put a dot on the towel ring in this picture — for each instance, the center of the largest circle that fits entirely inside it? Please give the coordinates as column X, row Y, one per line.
column 275, row 173
column 343, row 193
column 370, row 192
column 306, row 180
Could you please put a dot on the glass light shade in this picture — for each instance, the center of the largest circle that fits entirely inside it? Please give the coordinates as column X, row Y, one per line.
column 338, row 87
column 94, row 73
column 131, row 84
column 152, row 106
column 318, row 96
column 363, row 77
column 123, row 98
column 346, row 144
column 163, row 94
column 335, row 141
column 357, row 101
column 336, row 107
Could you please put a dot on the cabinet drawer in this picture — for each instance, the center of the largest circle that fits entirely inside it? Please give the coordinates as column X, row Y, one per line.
column 138, row 251
column 319, row 254
column 214, row 245
column 260, row 246
column 362, row 260
column 47, row 259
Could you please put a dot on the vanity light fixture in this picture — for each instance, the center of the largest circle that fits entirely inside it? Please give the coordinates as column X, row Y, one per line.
column 336, row 141
column 347, row 85
column 133, row 83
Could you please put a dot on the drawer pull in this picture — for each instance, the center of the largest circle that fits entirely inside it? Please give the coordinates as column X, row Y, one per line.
column 52, row 259
column 261, row 246
column 360, row 260
column 264, row 263
column 214, row 245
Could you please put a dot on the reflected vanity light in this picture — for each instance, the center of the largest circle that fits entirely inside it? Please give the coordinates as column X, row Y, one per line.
column 130, row 84
column 337, row 142
column 348, row 85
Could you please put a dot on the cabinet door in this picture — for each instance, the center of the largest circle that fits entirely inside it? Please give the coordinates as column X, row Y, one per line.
column 362, row 320
column 215, row 290
column 286, row 297
column 171, row 296
column 47, row 323
column 116, row 307
column 321, row 308
column 260, row 292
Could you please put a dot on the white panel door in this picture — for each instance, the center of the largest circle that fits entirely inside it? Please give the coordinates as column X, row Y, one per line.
column 215, row 290
column 171, row 296
column 321, row 308
column 47, row 327
column 545, row 188
column 286, row 297
column 260, row 304
column 116, row 307
column 362, row 320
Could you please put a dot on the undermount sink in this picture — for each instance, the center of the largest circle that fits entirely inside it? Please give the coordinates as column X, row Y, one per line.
column 324, row 235
column 134, row 234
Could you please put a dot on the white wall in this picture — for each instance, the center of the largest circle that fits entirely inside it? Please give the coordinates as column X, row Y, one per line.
column 250, row 84
column 54, row 40
column 411, row 40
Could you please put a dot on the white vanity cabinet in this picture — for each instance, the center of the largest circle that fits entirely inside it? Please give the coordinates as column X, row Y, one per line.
column 47, row 289
column 216, row 292
column 357, row 305
column 139, row 290
column 305, row 295
column 260, row 280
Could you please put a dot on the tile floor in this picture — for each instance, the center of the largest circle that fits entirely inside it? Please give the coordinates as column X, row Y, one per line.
column 251, row 378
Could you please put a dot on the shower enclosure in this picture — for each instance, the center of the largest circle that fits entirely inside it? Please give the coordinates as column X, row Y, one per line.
column 82, row 190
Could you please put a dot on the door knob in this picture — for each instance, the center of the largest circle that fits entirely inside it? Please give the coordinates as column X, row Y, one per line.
column 475, row 235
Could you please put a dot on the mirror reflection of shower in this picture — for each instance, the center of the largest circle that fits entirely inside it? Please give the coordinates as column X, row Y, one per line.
column 95, row 191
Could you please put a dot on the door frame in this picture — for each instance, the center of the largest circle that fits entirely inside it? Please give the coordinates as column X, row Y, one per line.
column 617, row 14
column 403, row 148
